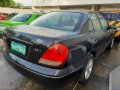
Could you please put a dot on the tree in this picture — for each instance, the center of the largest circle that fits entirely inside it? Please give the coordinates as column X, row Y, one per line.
column 7, row 3
column 18, row 5
column 11, row 3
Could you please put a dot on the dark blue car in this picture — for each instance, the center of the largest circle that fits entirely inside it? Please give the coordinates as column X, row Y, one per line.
column 58, row 44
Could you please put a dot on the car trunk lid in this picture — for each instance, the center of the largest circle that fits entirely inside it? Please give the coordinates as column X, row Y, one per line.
column 33, row 41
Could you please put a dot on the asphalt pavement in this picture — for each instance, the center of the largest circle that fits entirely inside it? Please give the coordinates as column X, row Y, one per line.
column 108, row 61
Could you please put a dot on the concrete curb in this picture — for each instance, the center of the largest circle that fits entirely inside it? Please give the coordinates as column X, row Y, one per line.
column 110, row 81
column 114, row 79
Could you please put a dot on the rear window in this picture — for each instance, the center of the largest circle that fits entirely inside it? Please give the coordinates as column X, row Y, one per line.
column 21, row 17
column 95, row 22
column 103, row 22
column 58, row 20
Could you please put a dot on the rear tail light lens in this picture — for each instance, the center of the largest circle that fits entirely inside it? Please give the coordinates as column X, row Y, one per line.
column 54, row 56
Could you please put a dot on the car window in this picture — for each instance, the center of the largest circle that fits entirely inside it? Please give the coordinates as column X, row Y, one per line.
column 90, row 26
column 58, row 20
column 96, row 23
column 21, row 17
column 11, row 15
column 103, row 22
column 84, row 29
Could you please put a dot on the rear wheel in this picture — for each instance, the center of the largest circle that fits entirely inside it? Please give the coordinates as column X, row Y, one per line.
column 86, row 73
column 110, row 45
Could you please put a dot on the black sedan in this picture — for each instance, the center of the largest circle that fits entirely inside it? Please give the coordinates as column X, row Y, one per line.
column 58, row 44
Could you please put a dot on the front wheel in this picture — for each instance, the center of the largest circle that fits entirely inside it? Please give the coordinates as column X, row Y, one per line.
column 86, row 73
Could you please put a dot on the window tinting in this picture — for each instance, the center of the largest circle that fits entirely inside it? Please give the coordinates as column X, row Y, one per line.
column 84, row 29
column 95, row 22
column 58, row 20
column 90, row 26
column 21, row 17
column 103, row 22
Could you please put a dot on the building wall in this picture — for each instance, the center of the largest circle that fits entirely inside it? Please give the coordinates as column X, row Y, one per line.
column 72, row 2
column 12, row 10
column 94, row 5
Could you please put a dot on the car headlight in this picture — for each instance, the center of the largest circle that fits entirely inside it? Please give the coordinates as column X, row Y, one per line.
column 2, row 27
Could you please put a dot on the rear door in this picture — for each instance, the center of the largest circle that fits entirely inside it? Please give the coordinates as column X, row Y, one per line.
column 99, row 34
column 91, row 32
column 107, row 32
column 83, row 42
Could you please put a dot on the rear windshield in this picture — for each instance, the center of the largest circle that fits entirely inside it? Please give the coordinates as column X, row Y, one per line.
column 21, row 17
column 58, row 20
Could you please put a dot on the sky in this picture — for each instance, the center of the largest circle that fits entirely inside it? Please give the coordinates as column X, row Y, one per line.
column 24, row 2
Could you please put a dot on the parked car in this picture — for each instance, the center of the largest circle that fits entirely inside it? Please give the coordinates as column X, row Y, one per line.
column 112, row 18
column 18, row 19
column 117, row 36
column 11, row 15
column 58, row 44
column 3, row 16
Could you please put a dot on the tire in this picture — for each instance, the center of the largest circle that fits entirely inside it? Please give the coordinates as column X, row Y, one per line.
column 110, row 45
column 87, row 70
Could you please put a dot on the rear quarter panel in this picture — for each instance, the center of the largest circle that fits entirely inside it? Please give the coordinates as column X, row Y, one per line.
column 79, row 46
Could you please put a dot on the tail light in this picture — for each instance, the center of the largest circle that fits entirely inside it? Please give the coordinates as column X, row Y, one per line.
column 54, row 56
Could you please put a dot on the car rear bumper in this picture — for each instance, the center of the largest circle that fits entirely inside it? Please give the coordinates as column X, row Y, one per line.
column 37, row 71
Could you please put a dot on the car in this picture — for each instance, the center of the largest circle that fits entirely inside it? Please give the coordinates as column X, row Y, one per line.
column 3, row 16
column 117, row 36
column 11, row 15
column 117, row 32
column 58, row 44
column 18, row 19
column 111, row 17
column 113, row 20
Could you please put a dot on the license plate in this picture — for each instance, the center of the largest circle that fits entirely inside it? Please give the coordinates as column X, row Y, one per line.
column 17, row 47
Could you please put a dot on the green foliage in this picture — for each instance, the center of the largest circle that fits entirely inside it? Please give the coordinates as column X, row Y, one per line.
column 7, row 3
column 18, row 5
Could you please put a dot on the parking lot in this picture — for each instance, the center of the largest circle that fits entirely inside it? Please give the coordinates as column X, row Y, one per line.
column 11, row 79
